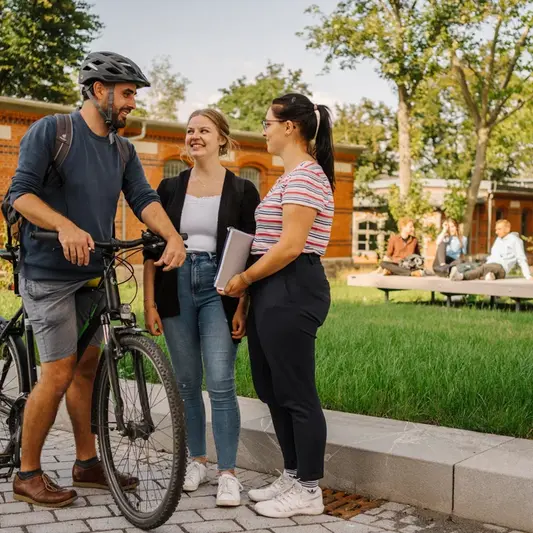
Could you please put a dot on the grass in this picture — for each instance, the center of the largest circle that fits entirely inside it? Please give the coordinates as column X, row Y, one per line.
column 467, row 367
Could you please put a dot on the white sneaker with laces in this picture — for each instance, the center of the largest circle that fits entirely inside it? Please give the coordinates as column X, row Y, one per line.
column 195, row 475
column 297, row 500
column 490, row 276
column 281, row 484
column 455, row 275
column 229, row 491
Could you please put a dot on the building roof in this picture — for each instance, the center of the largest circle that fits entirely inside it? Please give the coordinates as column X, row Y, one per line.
column 35, row 106
column 438, row 188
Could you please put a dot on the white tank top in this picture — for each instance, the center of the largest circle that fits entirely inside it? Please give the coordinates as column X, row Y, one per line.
column 199, row 219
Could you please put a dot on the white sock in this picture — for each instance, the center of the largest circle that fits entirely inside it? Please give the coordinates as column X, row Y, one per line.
column 311, row 486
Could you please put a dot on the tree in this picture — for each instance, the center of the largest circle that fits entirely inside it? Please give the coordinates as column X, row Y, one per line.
column 166, row 92
column 490, row 46
column 245, row 103
column 399, row 36
column 372, row 125
column 41, row 42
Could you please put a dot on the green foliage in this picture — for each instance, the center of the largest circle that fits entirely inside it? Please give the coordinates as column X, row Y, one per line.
column 399, row 36
column 167, row 91
column 455, row 202
column 245, row 103
column 41, row 43
column 415, row 205
column 490, row 44
column 6, row 268
column 372, row 125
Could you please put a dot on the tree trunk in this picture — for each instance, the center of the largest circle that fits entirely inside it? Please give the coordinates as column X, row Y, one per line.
column 404, row 135
column 483, row 135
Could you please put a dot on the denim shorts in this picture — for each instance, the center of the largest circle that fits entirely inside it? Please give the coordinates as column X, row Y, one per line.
column 57, row 310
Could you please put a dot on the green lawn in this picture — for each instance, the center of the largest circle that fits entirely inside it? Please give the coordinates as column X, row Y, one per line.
column 465, row 367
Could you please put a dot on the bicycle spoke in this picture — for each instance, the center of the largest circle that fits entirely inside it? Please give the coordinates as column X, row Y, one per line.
column 148, row 449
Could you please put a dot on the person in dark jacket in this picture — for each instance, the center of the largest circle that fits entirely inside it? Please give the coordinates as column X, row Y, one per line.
column 202, row 329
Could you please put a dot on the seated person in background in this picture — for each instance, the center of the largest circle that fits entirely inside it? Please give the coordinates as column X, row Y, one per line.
column 451, row 246
column 400, row 247
column 506, row 252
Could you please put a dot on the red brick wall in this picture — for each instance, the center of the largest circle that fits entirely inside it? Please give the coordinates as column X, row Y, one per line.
column 170, row 145
column 511, row 206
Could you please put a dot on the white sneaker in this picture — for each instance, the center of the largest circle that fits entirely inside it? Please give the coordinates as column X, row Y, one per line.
column 195, row 475
column 490, row 276
column 297, row 500
column 229, row 491
column 455, row 275
column 281, row 484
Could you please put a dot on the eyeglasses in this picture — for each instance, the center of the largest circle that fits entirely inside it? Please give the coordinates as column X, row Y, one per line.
column 266, row 123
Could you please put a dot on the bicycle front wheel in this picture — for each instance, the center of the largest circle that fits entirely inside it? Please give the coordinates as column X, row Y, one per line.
column 152, row 454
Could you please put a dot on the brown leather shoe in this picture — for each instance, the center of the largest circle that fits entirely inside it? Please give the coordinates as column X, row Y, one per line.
column 94, row 478
column 41, row 490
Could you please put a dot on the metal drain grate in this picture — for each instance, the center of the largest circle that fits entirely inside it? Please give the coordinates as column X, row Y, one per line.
column 345, row 505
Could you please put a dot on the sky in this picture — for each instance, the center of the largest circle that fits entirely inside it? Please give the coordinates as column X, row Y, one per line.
column 214, row 42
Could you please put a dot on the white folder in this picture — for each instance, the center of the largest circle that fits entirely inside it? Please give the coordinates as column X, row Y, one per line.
column 234, row 256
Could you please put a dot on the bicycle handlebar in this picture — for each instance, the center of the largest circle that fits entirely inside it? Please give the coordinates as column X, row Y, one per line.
column 147, row 239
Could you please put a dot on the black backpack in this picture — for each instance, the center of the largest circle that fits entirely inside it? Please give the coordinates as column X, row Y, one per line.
column 14, row 220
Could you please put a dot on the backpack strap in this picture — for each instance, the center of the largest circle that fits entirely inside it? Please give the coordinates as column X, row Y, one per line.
column 125, row 150
column 62, row 146
column 63, row 139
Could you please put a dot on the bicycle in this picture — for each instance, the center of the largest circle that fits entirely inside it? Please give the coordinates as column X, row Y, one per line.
column 122, row 417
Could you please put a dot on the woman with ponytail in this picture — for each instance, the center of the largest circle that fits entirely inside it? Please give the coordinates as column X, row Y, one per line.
column 290, row 299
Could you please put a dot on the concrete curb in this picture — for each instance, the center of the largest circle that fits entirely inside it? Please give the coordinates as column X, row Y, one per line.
column 472, row 475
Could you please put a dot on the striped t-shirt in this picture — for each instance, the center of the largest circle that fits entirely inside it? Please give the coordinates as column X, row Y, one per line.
column 306, row 185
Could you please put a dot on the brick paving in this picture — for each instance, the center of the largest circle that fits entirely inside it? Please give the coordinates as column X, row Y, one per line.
column 94, row 511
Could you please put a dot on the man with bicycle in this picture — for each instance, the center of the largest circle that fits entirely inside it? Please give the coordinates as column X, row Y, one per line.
column 81, row 206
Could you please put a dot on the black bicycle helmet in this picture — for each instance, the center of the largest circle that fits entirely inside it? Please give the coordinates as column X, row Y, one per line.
column 110, row 68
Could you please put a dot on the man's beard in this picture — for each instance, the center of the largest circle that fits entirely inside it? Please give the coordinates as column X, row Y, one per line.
column 116, row 121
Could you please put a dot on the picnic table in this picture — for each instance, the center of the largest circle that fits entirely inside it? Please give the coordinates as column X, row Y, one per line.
column 518, row 289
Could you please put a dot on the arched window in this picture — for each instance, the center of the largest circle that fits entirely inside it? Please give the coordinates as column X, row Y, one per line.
column 252, row 174
column 173, row 167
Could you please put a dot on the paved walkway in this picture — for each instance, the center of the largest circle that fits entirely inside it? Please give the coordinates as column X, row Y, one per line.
column 94, row 511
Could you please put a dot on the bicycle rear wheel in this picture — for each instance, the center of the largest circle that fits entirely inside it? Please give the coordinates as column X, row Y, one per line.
column 12, row 384
column 156, row 456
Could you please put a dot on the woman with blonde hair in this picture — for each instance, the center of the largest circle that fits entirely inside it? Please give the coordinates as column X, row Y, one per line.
column 202, row 329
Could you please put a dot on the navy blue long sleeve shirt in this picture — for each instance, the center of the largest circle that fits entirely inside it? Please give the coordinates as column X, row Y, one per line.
column 94, row 176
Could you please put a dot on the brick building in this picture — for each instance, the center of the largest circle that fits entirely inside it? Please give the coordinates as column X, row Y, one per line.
column 160, row 145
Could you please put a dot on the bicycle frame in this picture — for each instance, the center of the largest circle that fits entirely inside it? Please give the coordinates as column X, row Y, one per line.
column 110, row 308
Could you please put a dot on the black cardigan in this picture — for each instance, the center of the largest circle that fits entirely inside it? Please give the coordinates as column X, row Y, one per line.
column 237, row 209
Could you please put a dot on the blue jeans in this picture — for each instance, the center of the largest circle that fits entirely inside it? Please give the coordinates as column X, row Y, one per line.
column 201, row 333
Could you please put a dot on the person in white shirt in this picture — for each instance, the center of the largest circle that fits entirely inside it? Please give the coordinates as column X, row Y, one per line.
column 507, row 251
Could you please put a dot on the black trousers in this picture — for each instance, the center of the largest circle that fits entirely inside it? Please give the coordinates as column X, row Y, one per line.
column 286, row 310
column 443, row 263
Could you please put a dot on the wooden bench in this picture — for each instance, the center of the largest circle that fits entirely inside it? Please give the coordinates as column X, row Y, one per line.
column 516, row 288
